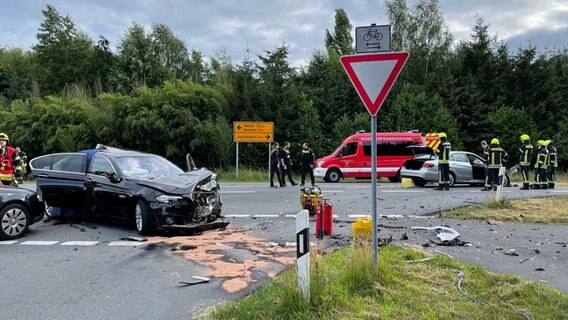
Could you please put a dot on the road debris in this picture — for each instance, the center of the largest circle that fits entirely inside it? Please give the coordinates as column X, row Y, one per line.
column 444, row 233
column 184, row 247
column 539, row 269
column 419, row 260
column 404, row 236
column 444, row 254
column 197, row 280
column 88, row 225
column 511, row 252
column 134, row 238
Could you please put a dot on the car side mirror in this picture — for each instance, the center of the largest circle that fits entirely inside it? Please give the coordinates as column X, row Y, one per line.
column 114, row 178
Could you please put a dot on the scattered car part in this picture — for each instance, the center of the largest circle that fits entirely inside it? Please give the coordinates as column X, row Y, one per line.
column 198, row 280
column 133, row 238
column 445, row 234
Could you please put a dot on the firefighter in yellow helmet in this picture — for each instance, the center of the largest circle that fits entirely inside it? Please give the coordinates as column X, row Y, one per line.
column 541, row 166
column 552, row 163
column 496, row 157
column 525, row 156
column 443, row 162
column 10, row 163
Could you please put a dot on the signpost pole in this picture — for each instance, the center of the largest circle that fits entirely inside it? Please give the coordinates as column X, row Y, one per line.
column 269, row 160
column 375, row 243
column 237, row 164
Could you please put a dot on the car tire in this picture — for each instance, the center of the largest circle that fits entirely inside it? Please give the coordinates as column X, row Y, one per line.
column 333, row 175
column 395, row 178
column 419, row 183
column 14, row 221
column 452, row 179
column 143, row 218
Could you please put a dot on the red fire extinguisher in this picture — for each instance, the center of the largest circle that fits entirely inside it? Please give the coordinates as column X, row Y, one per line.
column 324, row 219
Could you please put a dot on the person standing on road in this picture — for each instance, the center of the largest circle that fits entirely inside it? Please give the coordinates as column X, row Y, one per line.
column 307, row 162
column 485, row 154
column 494, row 162
column 541, row 182
column 525, row 156
column 286, row 163
column 24, row 164
column 10, row 163
column 552, row 164
column 444, row 162
column 275, row 165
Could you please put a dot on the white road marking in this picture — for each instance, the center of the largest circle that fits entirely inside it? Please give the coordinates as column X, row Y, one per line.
column 559, row 191
column 333, row 191
column 8, row 242
column 79, row 243
column 125, row 243
column 265, row 216
column 237, row 216
column 400, row 191
column 358, row 216
column 238, row 192
column 39, row 243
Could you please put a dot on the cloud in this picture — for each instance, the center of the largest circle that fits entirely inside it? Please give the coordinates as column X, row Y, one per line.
column 258, row 25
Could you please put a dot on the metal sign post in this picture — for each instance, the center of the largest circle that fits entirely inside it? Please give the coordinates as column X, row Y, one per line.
column 374, row 190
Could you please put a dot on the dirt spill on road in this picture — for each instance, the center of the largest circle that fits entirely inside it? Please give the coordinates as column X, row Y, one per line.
column 230, row 254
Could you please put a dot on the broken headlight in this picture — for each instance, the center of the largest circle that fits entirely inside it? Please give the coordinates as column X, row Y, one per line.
column 209, row 185
column 168, row 199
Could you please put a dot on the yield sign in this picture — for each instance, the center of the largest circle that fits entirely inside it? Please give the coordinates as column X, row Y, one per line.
column 373, row 75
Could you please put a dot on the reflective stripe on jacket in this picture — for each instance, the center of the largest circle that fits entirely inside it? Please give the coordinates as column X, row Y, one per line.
column 525, row 154
column 496, row 157
column 444, row 153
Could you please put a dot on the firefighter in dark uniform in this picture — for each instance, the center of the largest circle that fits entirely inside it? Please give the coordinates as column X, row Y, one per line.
column 10, row 163
column 525, row 156
column 552, row 164
column 275, row 165
column 24, row 164
column 307, row 162
column 443, row 153
column 286, row 164
column 496, row 157
column 541, row 165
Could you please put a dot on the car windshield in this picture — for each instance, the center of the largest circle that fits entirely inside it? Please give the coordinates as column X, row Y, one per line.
column 150, row 166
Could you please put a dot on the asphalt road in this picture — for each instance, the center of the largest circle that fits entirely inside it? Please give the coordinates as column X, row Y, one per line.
column 85, row 271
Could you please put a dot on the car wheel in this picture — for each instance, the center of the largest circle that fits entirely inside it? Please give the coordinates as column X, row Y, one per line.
column 452, row 179
column 143, row 218
column 419, row 183
column 14, row 221
column 333, row 175
column 395, row 178
column 48, row 210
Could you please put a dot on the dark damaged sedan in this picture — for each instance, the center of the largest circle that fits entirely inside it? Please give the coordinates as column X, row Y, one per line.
column 137, row 187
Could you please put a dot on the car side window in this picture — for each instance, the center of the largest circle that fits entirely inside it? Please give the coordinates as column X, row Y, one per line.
column 64, row 162
column 459, row 157
column 349, row 149
column 474, row 160
column 101, row 166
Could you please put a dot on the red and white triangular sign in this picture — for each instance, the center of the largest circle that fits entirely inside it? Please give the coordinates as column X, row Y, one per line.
column 373, row 75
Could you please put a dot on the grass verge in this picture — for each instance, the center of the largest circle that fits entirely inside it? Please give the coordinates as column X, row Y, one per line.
column 538, row 210
column 342, row 286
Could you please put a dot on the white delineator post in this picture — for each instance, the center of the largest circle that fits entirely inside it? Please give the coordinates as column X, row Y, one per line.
column 499, row 193
column 303, row 252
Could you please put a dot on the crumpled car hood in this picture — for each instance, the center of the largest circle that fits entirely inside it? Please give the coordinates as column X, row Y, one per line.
column 174, row 184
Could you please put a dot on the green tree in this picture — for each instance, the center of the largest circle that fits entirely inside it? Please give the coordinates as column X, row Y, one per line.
column 63, row 52
column 422, row 31
column 340, row 41
column 508, row 124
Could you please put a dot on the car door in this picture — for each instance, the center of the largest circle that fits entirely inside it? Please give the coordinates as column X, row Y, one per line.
column 60, row 178
column 460, row 165
column 478, row 167
column 109, row 193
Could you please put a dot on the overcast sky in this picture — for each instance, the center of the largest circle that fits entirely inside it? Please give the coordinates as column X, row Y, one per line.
column 213, row 25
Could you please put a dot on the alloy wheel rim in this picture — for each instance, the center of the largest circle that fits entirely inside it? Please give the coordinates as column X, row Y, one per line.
column 14, row 222
column 138, row 217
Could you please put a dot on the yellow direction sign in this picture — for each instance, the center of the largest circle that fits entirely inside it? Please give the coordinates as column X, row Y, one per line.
column 253, row 131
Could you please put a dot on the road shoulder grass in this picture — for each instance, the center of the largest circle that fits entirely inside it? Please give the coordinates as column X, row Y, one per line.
column 410, row 284
column 537, row 210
